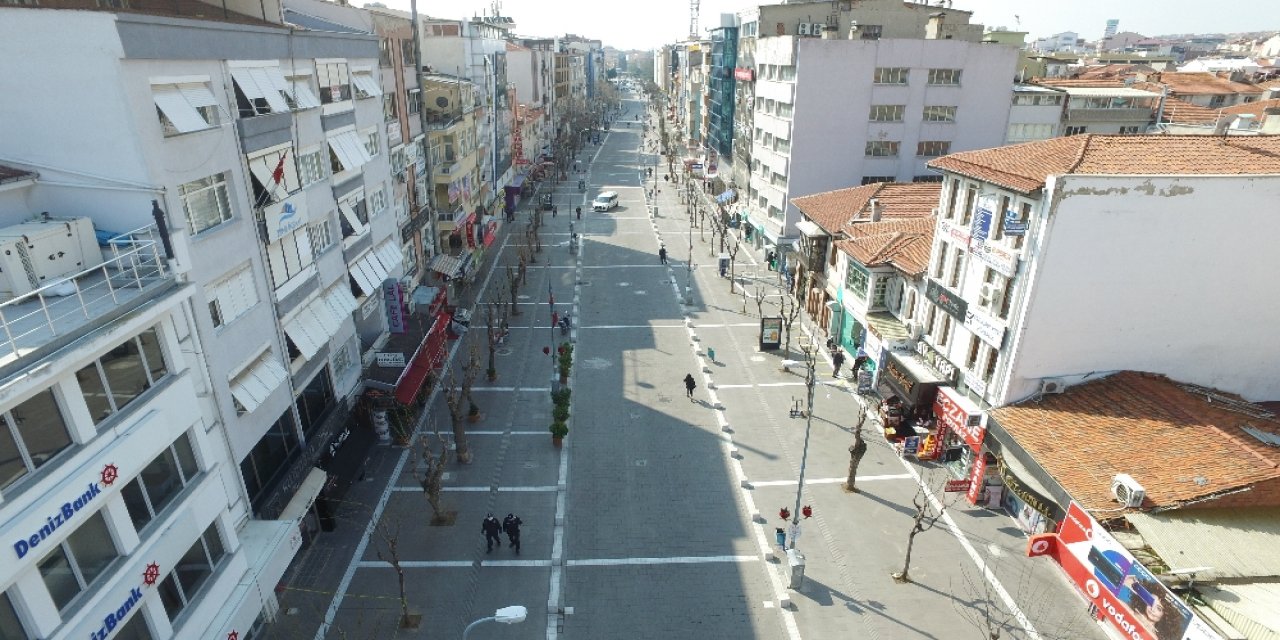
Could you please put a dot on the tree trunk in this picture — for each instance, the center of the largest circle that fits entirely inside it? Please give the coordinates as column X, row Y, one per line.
column 856, row 451
column 462, row 450
column 905, row 575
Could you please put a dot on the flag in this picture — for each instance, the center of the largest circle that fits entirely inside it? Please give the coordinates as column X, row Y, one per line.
column 278, row 174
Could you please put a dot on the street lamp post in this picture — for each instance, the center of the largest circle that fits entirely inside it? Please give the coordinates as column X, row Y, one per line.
column 810, row 381
column 506, row 615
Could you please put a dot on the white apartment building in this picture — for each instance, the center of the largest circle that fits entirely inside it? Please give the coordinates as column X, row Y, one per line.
column 832, row 113
column 1035, row 114
column 1060, row 259
column 262, row 150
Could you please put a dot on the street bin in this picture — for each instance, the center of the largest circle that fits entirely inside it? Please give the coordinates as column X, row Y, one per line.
column 795, row 562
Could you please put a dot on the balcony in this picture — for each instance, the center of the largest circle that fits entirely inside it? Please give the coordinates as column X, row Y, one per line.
column 133, row 268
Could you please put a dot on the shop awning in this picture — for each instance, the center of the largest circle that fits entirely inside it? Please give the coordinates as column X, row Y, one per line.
column 887, row 327
column 389, row 255
column 311, row 327
column 366, row 84
column 254, row 384
column 518, row 181
column 447, row 266
column 306, row 495
column 726, row 196
column 429, row 355
column 810, row 228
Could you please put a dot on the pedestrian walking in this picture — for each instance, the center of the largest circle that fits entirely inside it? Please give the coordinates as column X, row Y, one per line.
column 490, row 528
column 769, row 258
column 554, row 211
column 837, row 359
column 689, row 385
column 511, row 525
column 579, row 212
column 662, row 255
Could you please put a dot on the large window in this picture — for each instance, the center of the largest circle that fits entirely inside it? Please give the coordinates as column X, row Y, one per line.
column 312, row 167
column 882, row 148
column 273, row 175
column 206, row 202
column 182, row 585
column 855, row 278
column 335, row 82
column 149, row 494
column 939, row 114
column 269, row 458
column 116, row 379
column 887, row 112
column 33, row 433
column 933, row 148
column 184, row 108
column 315, row 401
column 82, row 558
column 891, row 75
column 944, row 76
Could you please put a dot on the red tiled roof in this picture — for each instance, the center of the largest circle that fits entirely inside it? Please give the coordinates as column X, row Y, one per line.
column 1183, row 112
column 835, row 210
column 1062, row 83
column 1025, row 167
column 1198, row 83
column 1176, row 444
column 903, row 244
column 1254, row 108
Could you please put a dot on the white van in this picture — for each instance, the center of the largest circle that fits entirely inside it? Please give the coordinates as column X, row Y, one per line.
column 605, row 201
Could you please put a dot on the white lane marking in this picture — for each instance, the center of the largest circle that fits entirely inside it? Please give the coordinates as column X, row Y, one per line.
column 633, row 326
column 606, row 562
column 760, row 384
column 625, row 266
column 808, row 481
column 520, row 389
column 479, row 489
column 418, row 564
column 504, row 433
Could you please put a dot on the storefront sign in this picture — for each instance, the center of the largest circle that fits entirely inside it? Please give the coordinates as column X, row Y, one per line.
column 985, row 327
column 899, row 377
column 980, row 230
column 956, row 486
column 393, row 300
column 948, row 229
column 1014, row 225
column 975, row 383
column 743, row 73
column 977, row 477
column 998, row 258
column 936, row 360
column 1029, row 496
column 770, row 333
column 117, row 617
column 285, row 217
column 952, row 304
column 951, row 413
column 471, row 234
column 390, row 360
column 66, row 512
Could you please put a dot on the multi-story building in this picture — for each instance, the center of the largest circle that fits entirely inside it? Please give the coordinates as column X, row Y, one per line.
column 1035, row 114
column 1119, row 109
column 1059, row 258
column 744, row 75
column 908, row 86
column 722, row 95
column 224, row 371
column 1067, row 42
column 453, row 140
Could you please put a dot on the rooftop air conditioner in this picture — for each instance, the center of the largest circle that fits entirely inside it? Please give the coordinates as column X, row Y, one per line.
column 804, row 29
column 1127, row 490
column 817, row 28
column 1052, row 385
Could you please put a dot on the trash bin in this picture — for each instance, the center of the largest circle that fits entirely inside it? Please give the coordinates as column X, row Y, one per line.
column 795, row 562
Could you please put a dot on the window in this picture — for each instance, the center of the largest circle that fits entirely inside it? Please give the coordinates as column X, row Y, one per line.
column 932, row 148
column 882, row 148
column 347, row 152
column 941, row 262
column 371, row 143
column 970, row 195
column 149, row 494
column 181, row 586
column 321, row 235
column 1029, row 132
column 378, row 201
column 1128, row 131
column 957, row 267
column 406, row 52
column 33, row 433
column 928, row 178
column 289, row 256
column 312, row 167
column 120, row 375
column 855, row 278
column 971, row 358
column 389, row 107
column 205, row 202
column 355, row 215
column 944, row 330
column 10, row 625
column 260, row 90
column 414, row 100
column 74, row 565
column 232, row 297
column 384, row 52
column 1217, row 101
column 268, row 459
column 184, row 108
column 876, row 179
column 887, row 112
column 784, row 110
column 891, row 75
column 782, row 145
column 909, row 308
column 314, row 402
column 939, row 114
column 1074, row 130
column 879, row 290
column 273, row 175
column 787, row 72
column 299, row 93
column 993, row 360
column 342, row 360
column 366, row 84
column 870, row 31
column 951, row 199
column 1024, row 214
column 944, row 76
column 335, row 82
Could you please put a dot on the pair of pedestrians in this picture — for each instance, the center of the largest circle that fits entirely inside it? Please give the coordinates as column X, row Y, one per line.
column 491, row 529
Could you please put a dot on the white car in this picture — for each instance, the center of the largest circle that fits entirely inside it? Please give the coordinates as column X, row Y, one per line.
column 605, row 201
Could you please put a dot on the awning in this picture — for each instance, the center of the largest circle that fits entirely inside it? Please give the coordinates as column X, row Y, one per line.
column 368, row 273
column 174, row 102
column 446, row 265
column 313, row 325
column 726, row 196
column 1022, row 483
column 349, row 150
column 389, row 255
column 300, row 90
column 306, row 495
column 518, row 181
column 254, row 384
column 262, row 83
column 1253, row 609
column 350, row 216
column 341, row 301
column 429, row 355
column 366, row 84
column 810, row 228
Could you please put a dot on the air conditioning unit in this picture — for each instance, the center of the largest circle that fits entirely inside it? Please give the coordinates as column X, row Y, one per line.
column 1052, row 385
column 804, row 29
column 1127, row 490
column 817, row 28
column 991, row 292
column 914, row 329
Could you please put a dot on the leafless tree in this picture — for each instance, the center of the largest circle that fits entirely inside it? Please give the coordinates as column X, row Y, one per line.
column 734, row 246
column 528, row 240
column 992, row 618
column 789, row 307
column 523, row 269
column 457, row 399
column 924, row 518
column 496, row 328
column 856, row 451
column 389, row 537
column 431, row 476
column 513, row 285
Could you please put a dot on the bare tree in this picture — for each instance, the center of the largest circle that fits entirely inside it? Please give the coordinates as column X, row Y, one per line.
column 453, row 399
column 431, row 478
column 734, row 246
column 468, row 379
column 495, row 329
column 513, row 285
column 528, row 240
column 856, row 451
column 789, row 306
column 925, row 517
column 389, row 536
column 990, row 615
column 523, row 269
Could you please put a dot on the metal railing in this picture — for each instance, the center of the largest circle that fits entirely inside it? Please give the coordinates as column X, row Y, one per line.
column 66, row 304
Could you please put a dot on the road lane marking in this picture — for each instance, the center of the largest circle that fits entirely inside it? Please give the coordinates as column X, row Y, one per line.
column 809, row 481
column 606, row 562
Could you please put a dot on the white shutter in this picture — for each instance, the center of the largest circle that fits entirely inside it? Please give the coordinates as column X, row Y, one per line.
column 307, row 335
column 374, row 266
column 389, row 255
column 197, row 94
column 175, row 107
column 340, row 298
column 269, row 89
column 366, row 84
column 252, row 386
column 340, row 150
column 248, row 83
column 363, row 278
column 303, row 95
column 350, row 151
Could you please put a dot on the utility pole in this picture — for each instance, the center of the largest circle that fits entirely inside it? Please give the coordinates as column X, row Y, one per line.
column 430, row 196
column 810, row 381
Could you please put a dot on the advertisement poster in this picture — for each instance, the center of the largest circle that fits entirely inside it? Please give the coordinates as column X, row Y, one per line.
column 1014, row 225
column 770, row 333
column 393, row 298
column 977, row 478
column 982, row 218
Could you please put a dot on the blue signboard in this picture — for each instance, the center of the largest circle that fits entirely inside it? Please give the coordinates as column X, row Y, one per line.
column 1014, row 225
column 982, row 217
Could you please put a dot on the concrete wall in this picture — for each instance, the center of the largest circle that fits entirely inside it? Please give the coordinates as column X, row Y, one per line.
column 1155, row 274
column 897, row 19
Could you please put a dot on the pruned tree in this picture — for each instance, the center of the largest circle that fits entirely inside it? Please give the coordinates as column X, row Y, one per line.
column 454, row 397
column 928, row 510
column 496, row 328
column 389, row 537
column 988, row 610
column 431, row 478
column 856, row 451
column 789, row 307
column 513, row 285
column 523, row 269
column 734, row 246
column 469, row 374
column 528, row 240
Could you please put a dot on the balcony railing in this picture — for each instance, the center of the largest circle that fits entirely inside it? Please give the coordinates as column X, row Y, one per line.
column 134, row 261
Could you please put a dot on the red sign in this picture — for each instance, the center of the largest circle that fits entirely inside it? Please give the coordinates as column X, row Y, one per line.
column 744, row 73
column 471, row 234
column 953, row 416
column 977, row 473
column 956, row 486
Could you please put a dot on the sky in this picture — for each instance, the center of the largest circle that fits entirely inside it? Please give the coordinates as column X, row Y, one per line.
column 645, row 24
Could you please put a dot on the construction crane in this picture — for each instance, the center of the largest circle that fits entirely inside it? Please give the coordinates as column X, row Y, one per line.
column 694, row 9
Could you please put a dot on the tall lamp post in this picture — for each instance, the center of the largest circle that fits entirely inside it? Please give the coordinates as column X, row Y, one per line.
column 506, row 615
column 810, row 381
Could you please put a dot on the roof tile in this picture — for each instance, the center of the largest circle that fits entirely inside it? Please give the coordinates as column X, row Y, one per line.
column 835, row 211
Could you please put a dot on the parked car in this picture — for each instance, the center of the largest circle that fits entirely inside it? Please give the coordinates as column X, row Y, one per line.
column 605, row 201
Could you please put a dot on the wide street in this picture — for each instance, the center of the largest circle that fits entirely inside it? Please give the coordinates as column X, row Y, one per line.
column 656, row 519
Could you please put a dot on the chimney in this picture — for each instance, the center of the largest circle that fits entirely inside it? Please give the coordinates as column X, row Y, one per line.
column 875, row 210
column 933, row 28
column 1271, row 120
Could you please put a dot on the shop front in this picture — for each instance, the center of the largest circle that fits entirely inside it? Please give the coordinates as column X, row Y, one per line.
column 959, row 441
column 908, row 388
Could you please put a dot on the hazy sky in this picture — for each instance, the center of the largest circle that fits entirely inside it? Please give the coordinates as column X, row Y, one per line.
column 643, row 24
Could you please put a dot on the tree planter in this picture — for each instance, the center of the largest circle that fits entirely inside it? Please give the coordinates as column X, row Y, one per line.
column 475, row 417
column 557, row 442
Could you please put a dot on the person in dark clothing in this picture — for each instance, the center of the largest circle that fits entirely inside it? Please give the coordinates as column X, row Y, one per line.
column 511, row 525
column 491, row 528
column 837, row 359
column 769, row 257
column 579, row 212
column 689, row 385
column 662, row 255
column 554, row 210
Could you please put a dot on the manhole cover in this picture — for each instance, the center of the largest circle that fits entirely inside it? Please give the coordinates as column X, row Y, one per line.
column 503, row 352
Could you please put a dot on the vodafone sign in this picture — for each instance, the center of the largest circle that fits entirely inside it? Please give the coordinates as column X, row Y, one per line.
column 953, row 415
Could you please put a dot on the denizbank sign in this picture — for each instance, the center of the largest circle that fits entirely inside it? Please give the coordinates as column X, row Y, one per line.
column 77, row 501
